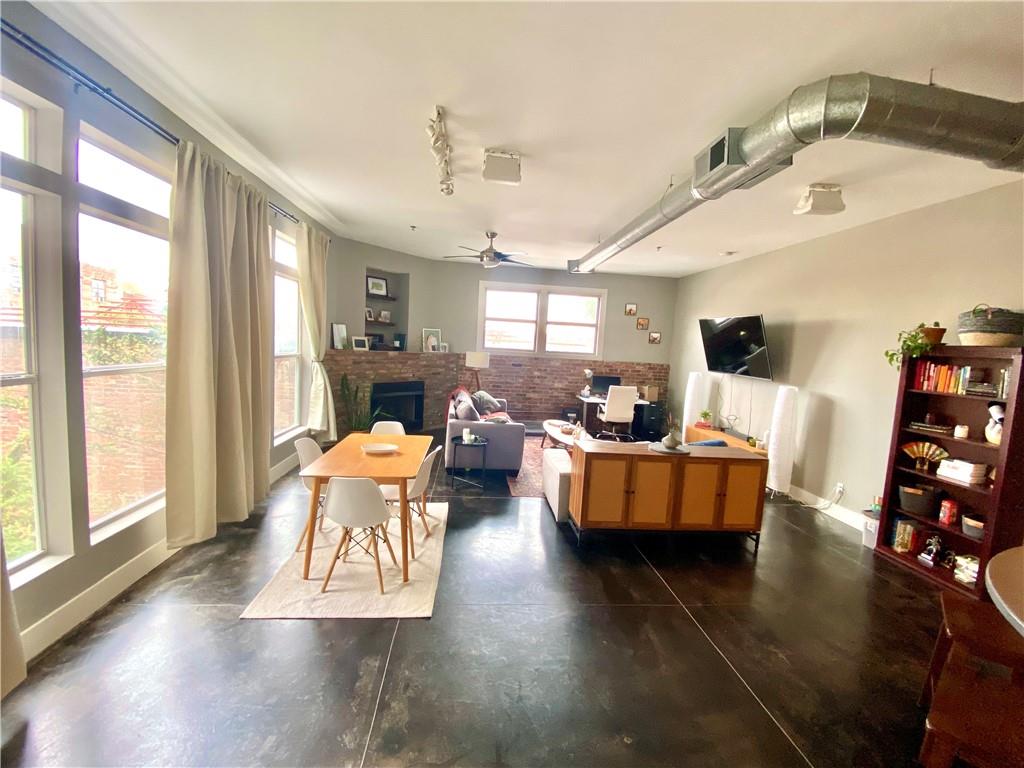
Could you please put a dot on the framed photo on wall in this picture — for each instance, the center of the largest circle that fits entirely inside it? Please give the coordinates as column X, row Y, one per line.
column 376, row 286
column 431, row 339
column 654, row 337
column 643, row 323
column 630, row 310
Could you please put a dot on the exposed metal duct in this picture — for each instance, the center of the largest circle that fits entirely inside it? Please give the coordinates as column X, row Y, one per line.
column 858, row 106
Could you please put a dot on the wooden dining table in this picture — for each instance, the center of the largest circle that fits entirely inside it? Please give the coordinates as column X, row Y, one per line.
column 347, row 459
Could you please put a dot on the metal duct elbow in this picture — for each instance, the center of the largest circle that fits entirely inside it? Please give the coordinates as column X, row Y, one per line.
column 856, row 106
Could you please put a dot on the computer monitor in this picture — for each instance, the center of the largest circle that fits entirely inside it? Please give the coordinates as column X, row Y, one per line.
column 599, row 384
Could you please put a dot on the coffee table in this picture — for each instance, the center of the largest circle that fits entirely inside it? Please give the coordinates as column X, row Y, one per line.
column 553, row 429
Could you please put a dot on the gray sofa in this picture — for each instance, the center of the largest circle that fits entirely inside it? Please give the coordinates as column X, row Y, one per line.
column 504, row 446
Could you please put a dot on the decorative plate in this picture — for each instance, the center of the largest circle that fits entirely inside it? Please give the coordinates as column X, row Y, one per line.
column 380, row 449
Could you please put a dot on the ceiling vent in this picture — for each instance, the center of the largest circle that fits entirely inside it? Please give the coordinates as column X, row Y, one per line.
column 502, row 167
column 821, row 200
column 722, row 158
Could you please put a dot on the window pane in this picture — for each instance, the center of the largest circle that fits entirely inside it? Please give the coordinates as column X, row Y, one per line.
column 13, row 133
column 511, row 305
column 565, row 308
column 284, row 251
column 13, row 357
column 286, row 316
column 500, row 334
column 286, row 401
column 580, row 339
column 19, row 499
column 124, row 439
column 108, row 173
column 123, row 293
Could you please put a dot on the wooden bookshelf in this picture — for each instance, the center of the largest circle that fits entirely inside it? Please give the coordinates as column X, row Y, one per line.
column 1001, row 501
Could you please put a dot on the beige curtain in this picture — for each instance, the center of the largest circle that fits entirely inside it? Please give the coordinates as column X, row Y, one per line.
column 312, row 252
column 12, row 655
column 219, row 325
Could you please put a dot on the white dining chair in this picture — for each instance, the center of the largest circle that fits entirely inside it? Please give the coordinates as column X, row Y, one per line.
column 309, row 451
column 358, row 506
column 416, row 493
column 618, row 409
column 387, row 428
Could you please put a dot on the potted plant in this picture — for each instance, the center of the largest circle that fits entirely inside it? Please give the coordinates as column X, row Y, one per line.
column 933, row 333
column 705, row 419
column 674, row 437
column 358, row 416
column 913, row 343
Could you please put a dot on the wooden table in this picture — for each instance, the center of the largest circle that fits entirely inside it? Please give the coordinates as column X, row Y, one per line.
column 696, row 434
column 553, row 429
column 1004, row 577
column 347, row 459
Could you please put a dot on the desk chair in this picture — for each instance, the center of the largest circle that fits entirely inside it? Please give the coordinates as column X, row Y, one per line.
column 618, row 408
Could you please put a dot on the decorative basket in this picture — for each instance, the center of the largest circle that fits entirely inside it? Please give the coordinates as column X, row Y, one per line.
column 986, row 326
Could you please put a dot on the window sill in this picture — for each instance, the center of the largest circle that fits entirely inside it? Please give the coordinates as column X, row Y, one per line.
column 35, row 569
column 290, row 435
column 105, row 530
column 560, row 355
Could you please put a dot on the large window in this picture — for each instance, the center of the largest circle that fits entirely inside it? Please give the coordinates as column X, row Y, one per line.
column 287, row 335
column 123, row 270
column 13, row 129
column 530, row 319
column 19, row 469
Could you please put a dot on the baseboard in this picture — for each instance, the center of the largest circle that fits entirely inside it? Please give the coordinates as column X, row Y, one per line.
column 851, row 517
column 52, row 627
column 282, row 468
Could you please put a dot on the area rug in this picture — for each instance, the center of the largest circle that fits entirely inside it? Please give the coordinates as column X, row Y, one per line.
column 528, row 482
column 353, row 592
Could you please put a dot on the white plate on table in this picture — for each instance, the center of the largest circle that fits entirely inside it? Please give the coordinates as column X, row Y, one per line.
column 380, row 449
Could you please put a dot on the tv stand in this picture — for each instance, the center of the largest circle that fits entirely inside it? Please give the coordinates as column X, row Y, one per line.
column 696, row 434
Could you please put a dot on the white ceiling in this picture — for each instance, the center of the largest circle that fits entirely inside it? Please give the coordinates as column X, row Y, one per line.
column 328, row 103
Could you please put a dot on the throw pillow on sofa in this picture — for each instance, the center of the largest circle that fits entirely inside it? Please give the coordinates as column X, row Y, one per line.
column 498, row 417
column 465, row 410
column 485, row 403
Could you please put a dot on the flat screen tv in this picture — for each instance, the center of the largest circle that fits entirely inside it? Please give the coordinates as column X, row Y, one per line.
column 736, row 345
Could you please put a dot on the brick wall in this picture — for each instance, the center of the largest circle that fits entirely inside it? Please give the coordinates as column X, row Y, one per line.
column 536, row 387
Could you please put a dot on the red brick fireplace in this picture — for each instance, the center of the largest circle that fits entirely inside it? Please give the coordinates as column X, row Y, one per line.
column 535, row 387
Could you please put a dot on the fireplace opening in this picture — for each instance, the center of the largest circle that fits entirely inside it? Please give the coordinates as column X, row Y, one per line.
column 399, row 401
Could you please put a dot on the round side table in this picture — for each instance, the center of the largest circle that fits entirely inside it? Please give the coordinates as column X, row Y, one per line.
column 1004, row 577
column 478, row 442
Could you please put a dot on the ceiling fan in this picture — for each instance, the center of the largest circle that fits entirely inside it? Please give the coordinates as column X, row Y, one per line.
column 490, row 257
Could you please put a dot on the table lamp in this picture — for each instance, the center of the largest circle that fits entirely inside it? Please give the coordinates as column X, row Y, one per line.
column 476, row 361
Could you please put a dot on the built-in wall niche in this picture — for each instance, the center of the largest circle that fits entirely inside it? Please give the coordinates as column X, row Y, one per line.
column 387, row 309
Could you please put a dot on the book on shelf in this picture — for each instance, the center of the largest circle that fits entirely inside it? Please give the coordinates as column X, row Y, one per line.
column 961, row 379
column 938, row 429
column 962, row 471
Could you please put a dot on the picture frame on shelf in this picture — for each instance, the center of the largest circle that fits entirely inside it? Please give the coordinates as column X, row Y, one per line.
column 643, row 323
column 631, row 310
column 654, row 337
column 384, row 316
column 400, row 342
column 376, row 286
column 369, row 314
column 360, row 344
column 339, row 335
column 431, row 339
column 443, row 346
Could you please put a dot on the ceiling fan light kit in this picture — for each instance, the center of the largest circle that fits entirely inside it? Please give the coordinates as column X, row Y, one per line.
column 490, row 257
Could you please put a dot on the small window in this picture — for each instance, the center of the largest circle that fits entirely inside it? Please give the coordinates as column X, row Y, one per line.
column 287, row 349
column 108, row 173
column 284, row 250
column 510, row 320
column 547, row 319
column 13, row 129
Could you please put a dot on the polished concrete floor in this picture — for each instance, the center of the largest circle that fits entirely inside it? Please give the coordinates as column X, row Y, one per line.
column 646, row 650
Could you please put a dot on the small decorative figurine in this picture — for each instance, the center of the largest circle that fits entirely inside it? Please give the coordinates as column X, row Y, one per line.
column 932, row 552
column 994, row 428
column 923, row 453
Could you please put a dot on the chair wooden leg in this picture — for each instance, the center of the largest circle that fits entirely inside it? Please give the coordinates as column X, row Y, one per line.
column 387, row 541
column 423, row 513
column 376, row 560
column 348, row 536
column 939, row 656
column 937, row 750
column 334, row 560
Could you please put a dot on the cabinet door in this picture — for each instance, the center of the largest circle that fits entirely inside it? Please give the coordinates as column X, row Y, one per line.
column 743, row 495
column 652, row 492
column 698, row 503
column 604, row 500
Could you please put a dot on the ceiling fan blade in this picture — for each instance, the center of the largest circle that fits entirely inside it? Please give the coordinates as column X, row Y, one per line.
column 460, row 256
column 516, row 263
column 474, row 250
column 513, row 253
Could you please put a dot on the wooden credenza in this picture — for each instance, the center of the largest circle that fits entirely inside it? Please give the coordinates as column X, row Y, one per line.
column 621, row 485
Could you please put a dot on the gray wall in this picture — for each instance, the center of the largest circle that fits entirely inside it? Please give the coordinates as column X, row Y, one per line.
column 832, row 305
column 444, row 295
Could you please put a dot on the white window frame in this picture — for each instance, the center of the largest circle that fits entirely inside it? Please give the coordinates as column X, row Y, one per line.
column 122, row 213
column 540, row 335
column 291, row 273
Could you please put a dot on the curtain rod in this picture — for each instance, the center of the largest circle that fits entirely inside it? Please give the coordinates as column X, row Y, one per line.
column 80, row 78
